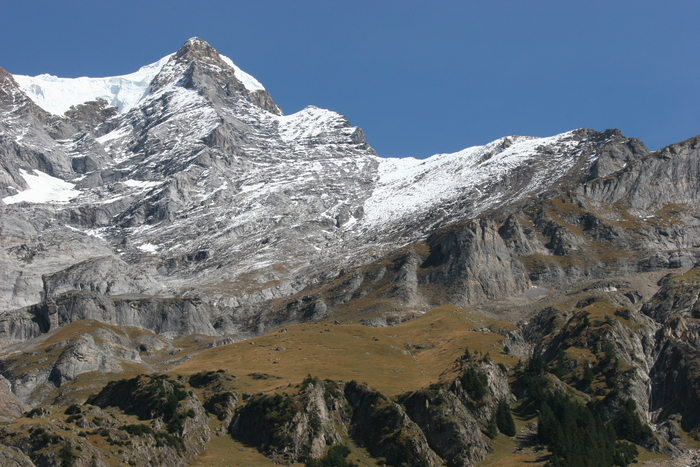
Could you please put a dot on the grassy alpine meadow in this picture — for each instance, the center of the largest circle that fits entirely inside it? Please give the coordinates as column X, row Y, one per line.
column 392, row 360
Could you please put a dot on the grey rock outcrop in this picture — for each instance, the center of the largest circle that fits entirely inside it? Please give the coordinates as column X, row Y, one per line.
column 674, row 376
column 295, row 428
column 11, row 456
column 472, row 263
column 494, row 387
column 165, row 404
column 384, row 428
column 155, row 433
column 47, row 369
column 10, row 406
column 83, row 356
column 667, row 176
column 23, row 120
column 169, row 317
column 105, row 275
column 601, row 332
column 292, row 429
column 449, row 427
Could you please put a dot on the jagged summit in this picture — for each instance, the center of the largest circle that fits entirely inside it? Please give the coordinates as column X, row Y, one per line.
column 56, row 95
column 197, row 65
column 196, row 48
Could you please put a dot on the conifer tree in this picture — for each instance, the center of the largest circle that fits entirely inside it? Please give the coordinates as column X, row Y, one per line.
column 492, row 428
column 588, row 377
column 504, row 419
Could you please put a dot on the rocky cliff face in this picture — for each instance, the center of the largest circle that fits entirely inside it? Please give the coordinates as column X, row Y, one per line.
column 449, row 427
column 10, row 406
column 291, row 429
column 676, row 310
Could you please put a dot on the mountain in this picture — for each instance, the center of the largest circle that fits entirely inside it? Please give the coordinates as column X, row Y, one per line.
column 149, row 217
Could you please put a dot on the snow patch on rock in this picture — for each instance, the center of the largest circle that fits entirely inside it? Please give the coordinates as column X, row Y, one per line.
column 57, row 95
column 43, row 188
column 407, row 186
column 250, row 83
column 148, row 248
column 310, row 122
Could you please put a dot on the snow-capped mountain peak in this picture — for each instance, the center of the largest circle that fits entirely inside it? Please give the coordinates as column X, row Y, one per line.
column 56, row 95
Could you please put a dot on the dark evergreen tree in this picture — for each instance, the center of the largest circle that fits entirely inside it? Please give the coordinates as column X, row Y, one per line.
column 475, row 383
column 504, row 419
column 576, row 438
column 588, row 377
column 535, row 366
column 492, row 428
column 558, row 370
column 532, row 377
column 467, row 355
column 548, row 428
column 629, row 426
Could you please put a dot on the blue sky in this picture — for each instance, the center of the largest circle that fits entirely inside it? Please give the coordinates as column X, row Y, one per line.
column 419, row 77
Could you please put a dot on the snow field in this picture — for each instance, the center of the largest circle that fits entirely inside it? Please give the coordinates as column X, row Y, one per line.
column 43, row 188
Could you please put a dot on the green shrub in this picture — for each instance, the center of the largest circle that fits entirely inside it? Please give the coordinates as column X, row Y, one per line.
column 40, row 437
column 335, row 457
column 66, row 456
column 475, row 383
column 166, row 439
column 36, row 412
column 137, row 429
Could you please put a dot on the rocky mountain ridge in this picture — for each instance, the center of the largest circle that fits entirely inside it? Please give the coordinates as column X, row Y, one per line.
column 142, row 183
